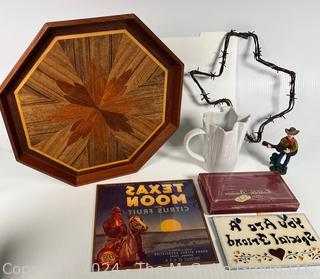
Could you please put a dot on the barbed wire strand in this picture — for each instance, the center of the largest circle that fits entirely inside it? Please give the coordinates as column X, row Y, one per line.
column 255, row 136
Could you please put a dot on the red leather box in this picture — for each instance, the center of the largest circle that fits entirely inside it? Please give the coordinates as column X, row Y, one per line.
column 246, row 192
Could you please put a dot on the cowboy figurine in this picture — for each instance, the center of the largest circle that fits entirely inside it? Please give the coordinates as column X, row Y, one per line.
column 115, row 228
column 287, row 147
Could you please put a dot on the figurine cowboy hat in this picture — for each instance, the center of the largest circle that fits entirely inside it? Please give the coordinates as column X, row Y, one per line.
column 292, row 131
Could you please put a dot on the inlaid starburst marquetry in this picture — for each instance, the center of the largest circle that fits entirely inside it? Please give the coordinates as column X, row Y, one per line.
column 92, row 99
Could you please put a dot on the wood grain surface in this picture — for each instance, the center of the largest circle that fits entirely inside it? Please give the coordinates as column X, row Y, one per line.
column 92, row 99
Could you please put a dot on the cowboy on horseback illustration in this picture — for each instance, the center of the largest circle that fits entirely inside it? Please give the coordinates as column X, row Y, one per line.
column 123, row 243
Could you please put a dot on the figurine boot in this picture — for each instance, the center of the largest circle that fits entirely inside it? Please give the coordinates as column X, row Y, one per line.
column 273, row 159
column 283, row 170
column 276, row 168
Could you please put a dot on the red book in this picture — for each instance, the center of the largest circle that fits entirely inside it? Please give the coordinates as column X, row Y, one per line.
column 246, row 192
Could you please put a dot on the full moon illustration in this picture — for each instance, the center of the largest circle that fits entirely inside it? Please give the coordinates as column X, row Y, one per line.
column 170, row 225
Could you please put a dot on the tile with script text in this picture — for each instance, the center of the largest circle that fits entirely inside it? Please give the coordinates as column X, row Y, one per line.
column 267, row 241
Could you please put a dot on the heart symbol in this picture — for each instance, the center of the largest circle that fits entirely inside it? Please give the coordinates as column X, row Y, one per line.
column 278, row 253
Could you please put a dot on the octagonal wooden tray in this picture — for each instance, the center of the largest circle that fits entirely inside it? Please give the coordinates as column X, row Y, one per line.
column 92, row 99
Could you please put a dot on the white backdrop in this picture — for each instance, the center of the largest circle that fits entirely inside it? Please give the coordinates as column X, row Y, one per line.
column 45, row 218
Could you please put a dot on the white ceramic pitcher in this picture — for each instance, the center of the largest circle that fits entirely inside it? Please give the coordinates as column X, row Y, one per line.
column 224, row 132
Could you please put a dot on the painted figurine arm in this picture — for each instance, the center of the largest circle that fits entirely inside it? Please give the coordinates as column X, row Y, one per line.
column 294, row 148
column 283, row 144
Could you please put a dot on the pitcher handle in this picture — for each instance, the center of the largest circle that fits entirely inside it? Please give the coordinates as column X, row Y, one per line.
column 187, row 139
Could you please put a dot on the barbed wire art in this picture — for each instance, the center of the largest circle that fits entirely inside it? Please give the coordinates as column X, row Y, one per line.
column 254, row 136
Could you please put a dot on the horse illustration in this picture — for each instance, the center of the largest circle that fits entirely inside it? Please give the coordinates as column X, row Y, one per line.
column 131, row 250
